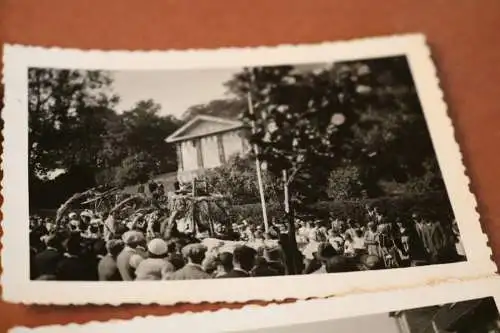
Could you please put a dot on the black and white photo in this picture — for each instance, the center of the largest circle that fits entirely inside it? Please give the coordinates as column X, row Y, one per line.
column 275, row 170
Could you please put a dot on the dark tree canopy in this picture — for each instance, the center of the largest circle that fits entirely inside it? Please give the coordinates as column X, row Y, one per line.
column 76, row 131
column 360, row 117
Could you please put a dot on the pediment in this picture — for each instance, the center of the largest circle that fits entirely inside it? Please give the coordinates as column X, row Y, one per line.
column 203, row 126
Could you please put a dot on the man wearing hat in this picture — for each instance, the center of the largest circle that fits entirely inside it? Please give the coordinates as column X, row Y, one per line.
column 131, row 239
column 156, row 264
column 194, row 253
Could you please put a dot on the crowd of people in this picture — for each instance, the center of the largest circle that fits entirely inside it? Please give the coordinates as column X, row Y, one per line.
column 86, row 246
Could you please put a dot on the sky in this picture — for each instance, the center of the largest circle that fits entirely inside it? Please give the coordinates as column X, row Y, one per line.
column 174, row 90
column 373, row 323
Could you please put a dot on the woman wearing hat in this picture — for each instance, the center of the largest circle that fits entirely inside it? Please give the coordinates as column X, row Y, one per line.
column 156, row 263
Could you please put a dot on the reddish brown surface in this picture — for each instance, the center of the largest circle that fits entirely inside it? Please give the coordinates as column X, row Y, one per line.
column 463, row 36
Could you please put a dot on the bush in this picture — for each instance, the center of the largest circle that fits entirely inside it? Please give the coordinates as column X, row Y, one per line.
column 433, row 205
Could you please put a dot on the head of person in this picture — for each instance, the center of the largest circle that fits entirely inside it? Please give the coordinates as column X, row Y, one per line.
column 157, row 248
column 272, row 254
column 133, row 238
column 325, row 252
column 210, row 263
column 370, row 263
column 244, row 257
column 52, row 241
column 94, row 225
column 259, row 234
column 114, row 247
column 338, row 264
column 73, row 245
column 194, row 253
column 225, row 261
column 99, row 247
column 371, row 226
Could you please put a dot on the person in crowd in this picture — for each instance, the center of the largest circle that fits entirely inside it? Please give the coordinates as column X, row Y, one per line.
column 324, row 253
column 224, row 264
column 371, row 239
column 370, row 262
column 275, row 259
column 73, row 267
column 338, row 264
column 459, row 247
column 131, row 239
column 156, row 263
column 349, row 250
column 243, row 262
column 194, row 253
column 358, row 242
column 261, row 268
column 336, row 240
column 435, row 240
column 107, row 268
column 46, row 262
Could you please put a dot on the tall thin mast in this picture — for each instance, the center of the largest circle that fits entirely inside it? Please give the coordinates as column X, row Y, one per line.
column 257, row 165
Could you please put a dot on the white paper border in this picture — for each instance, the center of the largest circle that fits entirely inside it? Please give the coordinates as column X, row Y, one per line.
column 255, row 317
column 15, row 257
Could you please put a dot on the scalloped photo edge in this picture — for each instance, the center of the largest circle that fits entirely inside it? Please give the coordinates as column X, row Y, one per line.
column 16, row 284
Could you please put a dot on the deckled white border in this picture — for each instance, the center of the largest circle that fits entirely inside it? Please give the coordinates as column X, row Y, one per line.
column 254, row 317
column 18, row 288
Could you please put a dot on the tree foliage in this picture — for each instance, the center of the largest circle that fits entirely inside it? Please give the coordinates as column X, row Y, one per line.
column 76, row 130
column 328, row 121
column 237, row 180
column 231, row 108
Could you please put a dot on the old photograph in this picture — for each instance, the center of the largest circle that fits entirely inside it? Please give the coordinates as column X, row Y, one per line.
column 245, row 172
column 249, row 169
column 464, row 307
column 471, row 316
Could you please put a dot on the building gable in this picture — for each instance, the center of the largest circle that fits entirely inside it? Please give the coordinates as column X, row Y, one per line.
column 203, row 126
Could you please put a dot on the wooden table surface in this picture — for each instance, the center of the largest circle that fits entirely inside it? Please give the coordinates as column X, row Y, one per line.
column 464, row 36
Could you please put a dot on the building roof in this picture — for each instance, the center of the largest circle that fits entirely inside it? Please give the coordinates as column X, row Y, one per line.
column 187, row 132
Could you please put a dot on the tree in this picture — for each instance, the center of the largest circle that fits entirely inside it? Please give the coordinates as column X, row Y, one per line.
column 225, row 108
column 68, row 111
column 237, row 180
column 74, row 131
column 138, row 137
column 298, row 120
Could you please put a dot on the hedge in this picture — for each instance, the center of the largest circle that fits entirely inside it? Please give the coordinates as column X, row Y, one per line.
column 435, row 205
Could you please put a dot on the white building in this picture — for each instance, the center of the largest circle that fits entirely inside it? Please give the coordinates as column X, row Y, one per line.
column 206, row 142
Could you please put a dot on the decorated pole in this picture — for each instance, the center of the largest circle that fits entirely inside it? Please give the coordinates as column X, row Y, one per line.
column 258, row 167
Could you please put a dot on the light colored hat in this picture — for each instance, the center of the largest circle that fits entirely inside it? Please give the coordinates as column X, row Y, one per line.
column 96, row 221
column 72, row 215
column 135, row 260
column 157, row 246
column 132, row 237
column 86, row 213
column 75, row 223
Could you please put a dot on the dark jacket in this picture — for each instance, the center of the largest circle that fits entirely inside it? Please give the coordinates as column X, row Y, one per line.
column 235, row 273
column 46, row 261
column 75, row 269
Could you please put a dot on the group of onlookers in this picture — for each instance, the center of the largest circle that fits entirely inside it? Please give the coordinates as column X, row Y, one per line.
column 81, row 250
